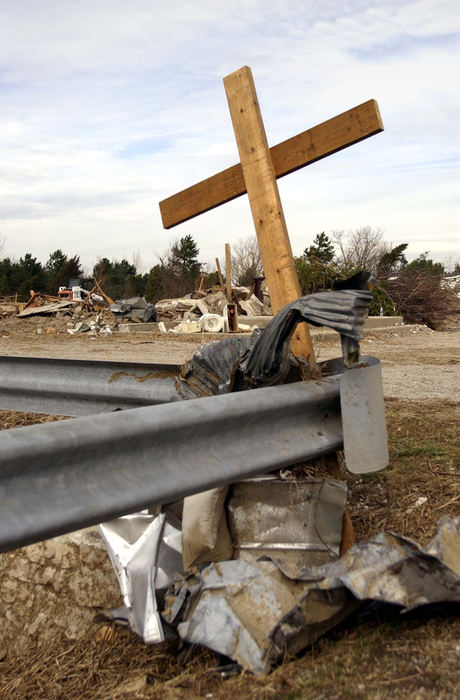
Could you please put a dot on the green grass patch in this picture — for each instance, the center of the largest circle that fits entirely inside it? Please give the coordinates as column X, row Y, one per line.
column 417, row 448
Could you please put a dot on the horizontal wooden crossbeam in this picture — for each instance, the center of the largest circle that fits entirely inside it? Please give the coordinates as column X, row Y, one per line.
column 318, row 142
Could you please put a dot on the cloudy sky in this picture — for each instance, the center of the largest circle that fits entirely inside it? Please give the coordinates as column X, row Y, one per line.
column 108, row 106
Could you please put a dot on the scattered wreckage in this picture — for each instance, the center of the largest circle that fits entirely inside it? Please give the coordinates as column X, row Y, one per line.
column 220, row 528
column 76, row 310
column 79, row 310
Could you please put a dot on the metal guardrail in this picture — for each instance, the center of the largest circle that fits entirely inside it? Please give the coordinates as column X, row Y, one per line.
column 63, row 476
column 82, row 387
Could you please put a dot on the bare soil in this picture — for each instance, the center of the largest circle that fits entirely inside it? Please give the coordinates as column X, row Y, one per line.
column 381, row 656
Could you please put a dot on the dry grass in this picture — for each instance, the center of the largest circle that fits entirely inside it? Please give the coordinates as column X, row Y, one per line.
column 399, row 657
column 16, row 419
column 413, row 656
column 424, row 447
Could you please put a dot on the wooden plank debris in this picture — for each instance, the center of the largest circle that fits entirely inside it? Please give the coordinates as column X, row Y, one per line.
column 228, row 272
column 219, row 273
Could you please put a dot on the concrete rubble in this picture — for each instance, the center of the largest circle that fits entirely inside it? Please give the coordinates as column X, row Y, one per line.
column 213, row 301
column 209, row 311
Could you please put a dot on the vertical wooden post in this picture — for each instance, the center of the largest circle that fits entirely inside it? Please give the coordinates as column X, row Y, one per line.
column 219, row 273
column 228, row 272
column 267, row 212
column 348, row 534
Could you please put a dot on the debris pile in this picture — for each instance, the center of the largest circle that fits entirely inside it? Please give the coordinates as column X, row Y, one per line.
column 77, row 311
column 9, row 306
column 257, row 612
column 273, row 586
column 94, row 313
column 135, row 309
column 213, row 310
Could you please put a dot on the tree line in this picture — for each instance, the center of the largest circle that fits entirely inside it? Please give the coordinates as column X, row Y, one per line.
column 174, row 275
column 411, row 289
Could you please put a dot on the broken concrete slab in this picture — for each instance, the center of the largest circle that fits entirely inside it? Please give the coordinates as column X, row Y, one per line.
column 188, row 327
column 53, row 589
column 252, row 306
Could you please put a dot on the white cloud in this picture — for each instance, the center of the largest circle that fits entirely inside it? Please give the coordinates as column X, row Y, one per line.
column 108, row 107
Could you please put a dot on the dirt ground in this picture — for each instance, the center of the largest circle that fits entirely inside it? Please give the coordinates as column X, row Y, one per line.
column 379, row 656
column 417, row 362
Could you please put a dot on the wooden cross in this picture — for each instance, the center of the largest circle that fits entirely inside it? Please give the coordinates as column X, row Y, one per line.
column 256, row 174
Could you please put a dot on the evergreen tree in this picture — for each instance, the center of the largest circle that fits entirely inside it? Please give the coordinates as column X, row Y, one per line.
column 183, row 257
column 154, row 284
column 118, row 279
column 6, row 271
column 424, row 264
column 28, row 274
column 60, row 270
column 392, row 261
column 322, row 250
column 315, row 268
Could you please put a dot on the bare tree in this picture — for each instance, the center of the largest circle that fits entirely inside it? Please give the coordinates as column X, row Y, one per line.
column 246, row 261
column 361, row 248
column 137, row 261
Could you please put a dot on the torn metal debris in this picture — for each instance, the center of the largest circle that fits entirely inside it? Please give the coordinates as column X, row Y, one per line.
column 297, row 520
column 262, row 571
column 134, row 308
column 264, row 358
column 257, row 612
column 145, row 551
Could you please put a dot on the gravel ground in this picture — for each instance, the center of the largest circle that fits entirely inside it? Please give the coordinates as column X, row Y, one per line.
column 417, row 362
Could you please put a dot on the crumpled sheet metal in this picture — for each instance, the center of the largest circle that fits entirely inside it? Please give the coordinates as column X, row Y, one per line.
column 256, row 612
column 134, row 307
column 264, row 358
column 236, row 608
column 298, row 520
column 146, row 553
column 344, row 311
column 394, row 569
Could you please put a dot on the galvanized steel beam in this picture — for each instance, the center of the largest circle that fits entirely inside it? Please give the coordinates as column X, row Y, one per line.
column 63, row 476
column 82, row 387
